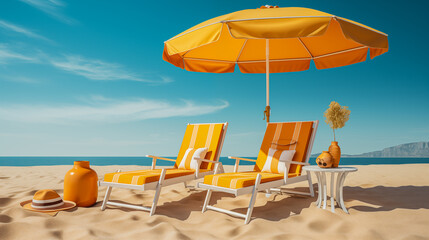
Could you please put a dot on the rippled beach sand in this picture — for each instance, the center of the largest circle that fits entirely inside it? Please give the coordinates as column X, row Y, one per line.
column 385, row 202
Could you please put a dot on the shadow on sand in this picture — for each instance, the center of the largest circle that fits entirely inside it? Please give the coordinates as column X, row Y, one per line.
column 381, row 198
column 180, row 209
column 388, row 198
column 273, row 210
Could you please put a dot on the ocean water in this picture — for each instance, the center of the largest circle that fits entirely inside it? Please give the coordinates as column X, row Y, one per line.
column 144, row 161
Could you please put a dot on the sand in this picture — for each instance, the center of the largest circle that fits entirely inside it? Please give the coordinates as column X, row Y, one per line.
column 385, row 202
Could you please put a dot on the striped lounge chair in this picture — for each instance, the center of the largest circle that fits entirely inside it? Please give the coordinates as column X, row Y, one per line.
column 201, row 146
column 285, row 149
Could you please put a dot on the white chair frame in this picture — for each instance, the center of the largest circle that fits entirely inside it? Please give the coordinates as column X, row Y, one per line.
column 157, row 186
column 268, row 187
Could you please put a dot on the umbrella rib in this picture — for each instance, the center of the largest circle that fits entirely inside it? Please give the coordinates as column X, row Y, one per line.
column 277, row 60
column 342, row 51
column 183, row 56
column 283, row 59
column 309, row 53
column 192, row 31
column 250, row 61
column 363, row 26
column 209, row 60
column 241, row 50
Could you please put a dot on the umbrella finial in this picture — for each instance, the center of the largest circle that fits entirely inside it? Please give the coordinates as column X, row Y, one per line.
column 269, row 6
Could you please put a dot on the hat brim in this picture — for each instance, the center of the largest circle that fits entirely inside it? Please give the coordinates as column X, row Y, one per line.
column 67, row 205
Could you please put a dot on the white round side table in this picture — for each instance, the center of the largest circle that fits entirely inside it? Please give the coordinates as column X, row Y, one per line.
column 322, row 188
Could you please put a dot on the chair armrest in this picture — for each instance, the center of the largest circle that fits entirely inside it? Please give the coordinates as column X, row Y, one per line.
column 216, row 163
column 161, row 158
column 244, row 159
column 286, row 173
column 154, row 158
column 205, row 160
column 237, row 161
column 298, row 163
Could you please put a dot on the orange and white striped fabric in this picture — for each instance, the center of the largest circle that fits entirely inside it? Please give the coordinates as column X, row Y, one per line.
column 188, row 160
column 145, row 176
column 201, row 136
column 275, row 159
column 197, row 138
column 292, row 137
column 242, row 179
column 286, row 136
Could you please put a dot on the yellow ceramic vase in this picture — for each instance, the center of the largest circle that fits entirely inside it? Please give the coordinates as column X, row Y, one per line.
column 335, row 152
column 80, row 184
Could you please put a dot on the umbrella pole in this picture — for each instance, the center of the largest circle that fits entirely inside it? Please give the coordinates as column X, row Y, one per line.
column 267, row 72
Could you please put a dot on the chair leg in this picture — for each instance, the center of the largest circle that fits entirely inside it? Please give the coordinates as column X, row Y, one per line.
column 310, row 184
column 206, row 202
column 268, row 193
column 106, row 198
column 158, row 192
column 252, row 199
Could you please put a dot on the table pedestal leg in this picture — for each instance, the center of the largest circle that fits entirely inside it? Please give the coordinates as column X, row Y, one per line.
column 319, row 189
column 337, row 188
column 340, row 190
column 332, row 192
column 324, row 190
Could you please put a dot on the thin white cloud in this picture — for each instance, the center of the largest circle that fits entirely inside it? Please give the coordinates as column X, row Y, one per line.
column 7, row 55
column 99, row 70
column 103, row 142
column 166, row 79
column 100, row 109
column 92, row 69
column 21, row 79
column 18, row 29
column 53, row 8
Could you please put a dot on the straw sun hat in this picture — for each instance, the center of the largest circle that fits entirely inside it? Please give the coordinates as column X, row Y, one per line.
column 47, row 201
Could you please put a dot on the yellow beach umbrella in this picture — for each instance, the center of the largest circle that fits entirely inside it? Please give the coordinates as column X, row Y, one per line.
column 272, row 40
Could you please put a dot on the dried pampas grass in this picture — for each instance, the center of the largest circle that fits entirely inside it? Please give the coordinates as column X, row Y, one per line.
column 336, row 116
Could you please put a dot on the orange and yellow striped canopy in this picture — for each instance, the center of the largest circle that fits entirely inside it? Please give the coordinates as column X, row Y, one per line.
column 295, row 36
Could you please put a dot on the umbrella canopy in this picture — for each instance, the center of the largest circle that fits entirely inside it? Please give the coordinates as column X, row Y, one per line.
column 272, row 40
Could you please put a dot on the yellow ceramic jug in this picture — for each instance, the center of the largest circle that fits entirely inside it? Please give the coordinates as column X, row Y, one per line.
column 80, row 184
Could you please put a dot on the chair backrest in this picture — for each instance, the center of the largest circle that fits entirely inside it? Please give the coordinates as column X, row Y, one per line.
column 298, row 136
column 209, row 135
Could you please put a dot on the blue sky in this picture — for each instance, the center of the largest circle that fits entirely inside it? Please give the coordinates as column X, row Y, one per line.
column 86, row 78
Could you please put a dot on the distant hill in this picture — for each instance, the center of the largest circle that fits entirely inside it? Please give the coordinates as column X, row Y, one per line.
column 416, row 149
